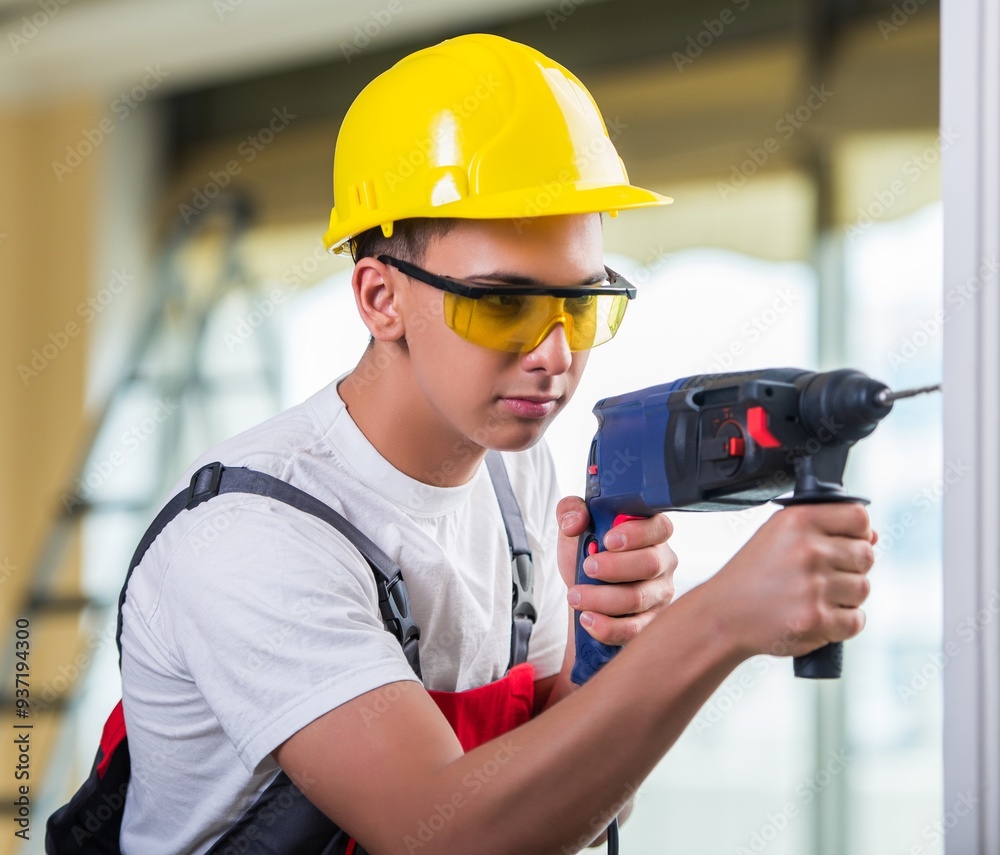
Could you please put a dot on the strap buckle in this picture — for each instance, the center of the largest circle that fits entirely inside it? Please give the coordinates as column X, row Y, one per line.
column 394, row 604
column 523, row 575
column 204, row 484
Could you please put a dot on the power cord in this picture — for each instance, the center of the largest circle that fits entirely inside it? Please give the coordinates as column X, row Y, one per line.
column 613, row 837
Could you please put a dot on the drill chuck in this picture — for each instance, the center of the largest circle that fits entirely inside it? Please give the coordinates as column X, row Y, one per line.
column 843, row 406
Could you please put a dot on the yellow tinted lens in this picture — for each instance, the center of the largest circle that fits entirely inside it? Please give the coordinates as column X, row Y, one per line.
column 518, row 324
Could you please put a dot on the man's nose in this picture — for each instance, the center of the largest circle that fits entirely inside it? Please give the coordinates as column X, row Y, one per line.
column 552, row 353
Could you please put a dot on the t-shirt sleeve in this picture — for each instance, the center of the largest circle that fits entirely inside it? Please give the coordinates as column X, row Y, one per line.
column 539, row 497
column 274, row 616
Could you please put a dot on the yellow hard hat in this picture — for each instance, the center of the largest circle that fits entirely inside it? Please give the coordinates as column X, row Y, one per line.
column 475, row 127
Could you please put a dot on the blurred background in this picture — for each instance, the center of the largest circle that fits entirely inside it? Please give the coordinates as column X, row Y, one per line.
column 166, row 176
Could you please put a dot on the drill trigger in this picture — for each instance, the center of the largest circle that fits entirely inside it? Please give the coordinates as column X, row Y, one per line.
column 625, row 518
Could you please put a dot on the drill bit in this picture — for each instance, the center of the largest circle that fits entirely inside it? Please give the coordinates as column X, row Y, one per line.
column 886, row 396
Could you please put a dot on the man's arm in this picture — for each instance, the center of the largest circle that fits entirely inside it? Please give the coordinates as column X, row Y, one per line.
column 399, row 782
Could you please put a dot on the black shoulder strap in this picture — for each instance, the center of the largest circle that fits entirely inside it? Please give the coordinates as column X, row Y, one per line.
column 523, row 613
column 394, row 600
column 213, row 479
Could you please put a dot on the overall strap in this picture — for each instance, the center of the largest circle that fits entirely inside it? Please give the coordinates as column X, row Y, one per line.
column 214, row 479
column 522, row 572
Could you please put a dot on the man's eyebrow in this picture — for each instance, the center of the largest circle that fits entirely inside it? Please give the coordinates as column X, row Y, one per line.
column 506, row 278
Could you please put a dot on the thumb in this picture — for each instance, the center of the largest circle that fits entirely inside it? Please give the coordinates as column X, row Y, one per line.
column 572, row 517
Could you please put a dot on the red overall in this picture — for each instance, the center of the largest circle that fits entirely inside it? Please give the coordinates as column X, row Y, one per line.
column 479, row 715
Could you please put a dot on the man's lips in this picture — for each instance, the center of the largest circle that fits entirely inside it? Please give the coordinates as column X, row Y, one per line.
column 529, row 406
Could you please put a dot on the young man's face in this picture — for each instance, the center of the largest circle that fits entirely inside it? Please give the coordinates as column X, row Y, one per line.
column 495, row 398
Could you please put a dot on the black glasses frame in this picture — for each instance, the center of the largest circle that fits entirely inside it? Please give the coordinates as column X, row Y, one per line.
column 617, row 284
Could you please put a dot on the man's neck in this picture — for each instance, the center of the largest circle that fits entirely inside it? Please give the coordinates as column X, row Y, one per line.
column 381, row 398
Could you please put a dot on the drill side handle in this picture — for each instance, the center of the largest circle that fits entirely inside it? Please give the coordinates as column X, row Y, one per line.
column 827, row 662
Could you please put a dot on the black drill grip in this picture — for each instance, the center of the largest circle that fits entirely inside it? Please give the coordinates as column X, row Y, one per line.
column 827, row 662
column 824, row 663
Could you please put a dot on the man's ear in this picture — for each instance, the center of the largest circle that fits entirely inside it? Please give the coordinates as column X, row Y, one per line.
column 376, row 298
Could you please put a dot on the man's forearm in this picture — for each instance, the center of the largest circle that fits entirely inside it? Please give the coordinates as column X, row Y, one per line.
column 554, row 783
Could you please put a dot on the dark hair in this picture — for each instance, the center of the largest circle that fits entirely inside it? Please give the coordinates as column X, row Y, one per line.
column 409, row 240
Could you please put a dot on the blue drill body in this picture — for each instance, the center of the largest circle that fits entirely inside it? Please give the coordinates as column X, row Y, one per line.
column 723, row 442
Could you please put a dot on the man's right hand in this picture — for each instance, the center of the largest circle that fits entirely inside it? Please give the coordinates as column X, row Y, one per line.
column 799, row 582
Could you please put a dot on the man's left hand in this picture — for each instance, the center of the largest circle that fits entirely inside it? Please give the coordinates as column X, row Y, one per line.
column 635, row 556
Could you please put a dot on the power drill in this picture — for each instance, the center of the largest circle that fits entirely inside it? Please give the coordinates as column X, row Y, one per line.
column 715, row 442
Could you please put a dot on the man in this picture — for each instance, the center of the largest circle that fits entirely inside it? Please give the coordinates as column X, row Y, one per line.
column 469, row 181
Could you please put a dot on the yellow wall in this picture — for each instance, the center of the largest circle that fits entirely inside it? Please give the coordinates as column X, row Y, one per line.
column 46, row 254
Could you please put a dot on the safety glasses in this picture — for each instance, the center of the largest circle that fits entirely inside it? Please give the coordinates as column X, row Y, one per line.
column 517, row 318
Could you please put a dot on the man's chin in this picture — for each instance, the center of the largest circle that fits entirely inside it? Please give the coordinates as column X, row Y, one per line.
column 518, row 437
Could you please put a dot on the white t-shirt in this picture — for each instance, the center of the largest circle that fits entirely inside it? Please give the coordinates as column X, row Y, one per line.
column 247, row 619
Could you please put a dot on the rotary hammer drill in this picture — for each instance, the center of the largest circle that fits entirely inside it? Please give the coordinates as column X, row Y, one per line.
column 717, row 442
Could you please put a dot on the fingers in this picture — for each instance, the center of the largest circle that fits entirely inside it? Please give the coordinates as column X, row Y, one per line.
column 616, row 631
column 850, row 554
column 844, row 624
column 636, row 534
column 634, row 566
column 634, row 551
column 847, row 590
column 572, row 516
column 848, row 519
column 626, row 598
column 638, row 560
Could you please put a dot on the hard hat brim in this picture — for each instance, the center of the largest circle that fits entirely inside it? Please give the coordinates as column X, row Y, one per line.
column 552, row 200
